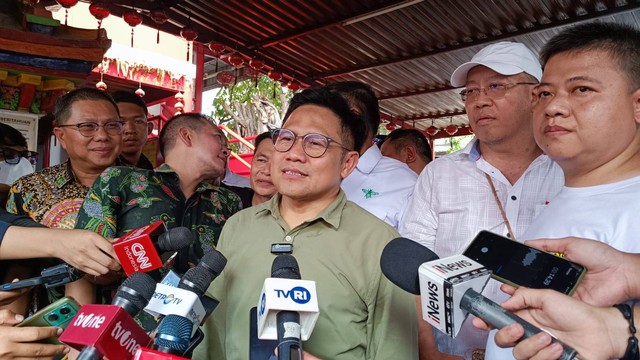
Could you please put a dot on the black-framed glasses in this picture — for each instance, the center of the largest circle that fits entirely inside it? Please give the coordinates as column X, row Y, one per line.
column 13, row 156
column 314, row 145
column 89, row 129
column 494, row 91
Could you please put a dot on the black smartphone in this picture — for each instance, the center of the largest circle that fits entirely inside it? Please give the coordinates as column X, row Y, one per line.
column 517, row 264
column 59, row 314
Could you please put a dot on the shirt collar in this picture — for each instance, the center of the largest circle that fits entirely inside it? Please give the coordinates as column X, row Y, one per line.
column 369, row 159
column 332, row 214
column 167, row 170
column 66, row 175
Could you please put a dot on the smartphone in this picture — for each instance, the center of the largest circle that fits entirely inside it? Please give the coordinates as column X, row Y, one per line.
column 517, row 264
column 58, row 314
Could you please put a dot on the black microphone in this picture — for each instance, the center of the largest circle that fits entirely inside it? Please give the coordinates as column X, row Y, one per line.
column 198, row 278
column 400, row 262
column 173, row 335
column 285, row 266
column 132, row 296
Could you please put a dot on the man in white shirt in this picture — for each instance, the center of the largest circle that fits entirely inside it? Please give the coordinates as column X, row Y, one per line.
column 453, row 199
column 587, row 119
column 381, row 185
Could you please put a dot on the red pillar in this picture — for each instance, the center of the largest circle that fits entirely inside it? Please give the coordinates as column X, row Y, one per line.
column 198, row 56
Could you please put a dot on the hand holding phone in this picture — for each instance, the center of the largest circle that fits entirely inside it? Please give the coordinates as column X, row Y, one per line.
column 518, row 265
column 58, row 314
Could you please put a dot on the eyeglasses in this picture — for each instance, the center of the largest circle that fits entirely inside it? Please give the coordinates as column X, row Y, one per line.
column 89, row 129
column 12, row 156
column 314, row 145
column 493, row 91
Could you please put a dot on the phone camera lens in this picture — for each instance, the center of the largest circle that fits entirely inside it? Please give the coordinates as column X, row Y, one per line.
column 53, row 317
column 65, row 311
column 484, row 249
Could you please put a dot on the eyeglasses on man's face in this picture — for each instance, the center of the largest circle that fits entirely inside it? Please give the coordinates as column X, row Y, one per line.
column 494, row 91
column 89, row 129
column 314, row 145
column 13, row 156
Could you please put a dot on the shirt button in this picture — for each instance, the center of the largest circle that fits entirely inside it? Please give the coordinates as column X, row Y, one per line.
column 513, row 197
column 508, row 235
column 288, row 238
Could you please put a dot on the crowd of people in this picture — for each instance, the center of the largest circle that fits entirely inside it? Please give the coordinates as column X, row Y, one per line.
column 555, row 163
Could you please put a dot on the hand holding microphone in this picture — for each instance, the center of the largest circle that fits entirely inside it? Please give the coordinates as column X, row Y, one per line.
column 449, row 288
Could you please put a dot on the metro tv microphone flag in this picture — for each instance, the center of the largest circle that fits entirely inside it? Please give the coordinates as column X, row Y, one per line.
column 137, row 251
column 109, row 330
column 449, row 288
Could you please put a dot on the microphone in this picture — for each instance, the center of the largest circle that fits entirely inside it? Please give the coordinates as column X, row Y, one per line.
column 137, row 252
column 172, row 339
column 287, row 308
column 50, row 277
column 449, row 288
column 109, row 330
column 185, row 300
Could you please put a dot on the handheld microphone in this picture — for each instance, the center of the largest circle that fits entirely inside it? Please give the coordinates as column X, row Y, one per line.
column 449, row 288
column 137, row 252
column 109, row 330
column 287, row 322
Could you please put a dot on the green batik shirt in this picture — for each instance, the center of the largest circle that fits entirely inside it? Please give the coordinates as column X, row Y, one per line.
column 124, row 198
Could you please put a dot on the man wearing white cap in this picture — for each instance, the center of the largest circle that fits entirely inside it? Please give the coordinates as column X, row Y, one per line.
column 499, row 182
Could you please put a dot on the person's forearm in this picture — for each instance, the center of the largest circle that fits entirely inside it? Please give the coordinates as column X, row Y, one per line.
column 28, row 243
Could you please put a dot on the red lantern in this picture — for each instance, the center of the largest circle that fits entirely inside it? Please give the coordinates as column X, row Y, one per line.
column 225, row 78
column 256, row 64
column 275, row 75
column 432, row 130
column 159, row 17
column 133, row 18
column 294, row 85
column 178, row 96
column 470, row 129
column 451, row 129
column 66, row 4
column 189, row 34
column 236, row 60
column 390, row 127
column 99, row 11
column 217, row 48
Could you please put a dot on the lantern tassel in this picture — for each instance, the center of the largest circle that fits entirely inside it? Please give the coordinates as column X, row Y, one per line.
column 188, row 47
column 158, row 37
column 66, row 15
column 131, row 37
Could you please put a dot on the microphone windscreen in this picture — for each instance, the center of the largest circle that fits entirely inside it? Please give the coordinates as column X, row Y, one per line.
column 174, row 332
column 285, row 266
column 137, row 289
column 214, row 261
column 175, row 239
column 197, row 280
column 400, row 260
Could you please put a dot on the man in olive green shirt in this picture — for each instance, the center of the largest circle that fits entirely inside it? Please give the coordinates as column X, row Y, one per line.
column 337, row 244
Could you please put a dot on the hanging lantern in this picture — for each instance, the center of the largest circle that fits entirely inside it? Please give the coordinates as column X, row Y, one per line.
column 390, row 127
column 133, row 18
column 256, row 64
column 225, row 78
column 140, row 92
column 432, row 130
column 100, row 12
column 159, row 17
column 451, row 129
column 294, row 85
column 189, row 34
column 470, row 129
column 275, row 75
column 179, row 105
column 217, row 48
column 101, row 84
column 67, row 4
column 236, row 60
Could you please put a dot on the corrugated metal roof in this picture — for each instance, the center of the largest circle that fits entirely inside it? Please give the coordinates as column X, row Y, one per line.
column 406, row 54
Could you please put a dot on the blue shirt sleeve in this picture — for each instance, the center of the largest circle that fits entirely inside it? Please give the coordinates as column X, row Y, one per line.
column 3, row 229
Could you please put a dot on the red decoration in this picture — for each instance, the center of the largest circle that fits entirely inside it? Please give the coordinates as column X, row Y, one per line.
column 256, row 64
column 236, row 60
column 390, row 127
column 451, row 129
column 179, row 106
column 470, row 129
column 159, row 17
column 101, row 85
column 294, row 85
column 432, row 130
column 67, row 4
column 133, row 18
column 217, row 48
column 275, row 75
column 99, row 11
column 140, row 92
column 189, row 34
column 225, row 78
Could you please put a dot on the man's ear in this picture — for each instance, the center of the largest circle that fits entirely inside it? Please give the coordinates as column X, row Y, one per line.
column 636, row 106
column 150, row 127
column 410, row 154
column 349, row 163
column 185, row 135
column 59, row 133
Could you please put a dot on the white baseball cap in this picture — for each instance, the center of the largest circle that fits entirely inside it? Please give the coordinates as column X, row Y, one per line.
column 506, row 58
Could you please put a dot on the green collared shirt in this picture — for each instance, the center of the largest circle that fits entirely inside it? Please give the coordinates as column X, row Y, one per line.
column 124, row 198
column 362, row 314
column 51, row 197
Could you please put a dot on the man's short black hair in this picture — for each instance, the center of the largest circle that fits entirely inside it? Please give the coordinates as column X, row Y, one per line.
column 10, row 136
column 260, row 138
column 401, row 138
column 129, row 97
column 621, row 41
column 194, row 121
column 352, row 129
column 362, row 98
column 62, row 109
